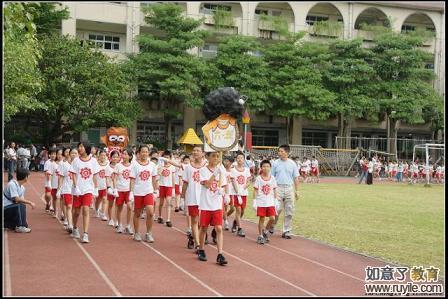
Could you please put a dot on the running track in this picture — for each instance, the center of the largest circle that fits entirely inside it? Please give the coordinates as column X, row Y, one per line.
column 47, row 262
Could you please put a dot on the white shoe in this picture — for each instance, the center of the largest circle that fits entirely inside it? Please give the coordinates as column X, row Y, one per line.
column 75, row 234
column 119, row 229
column 116, row 223
column 226, row 225
column 103, row 217
column 111, row 223
column 149, row 238
column 128, row 230
column 65, row 222
column 85, row 238
column 98, row 214
column 137, row 237
column 22, row 229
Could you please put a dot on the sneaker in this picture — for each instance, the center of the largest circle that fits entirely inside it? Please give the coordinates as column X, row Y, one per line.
column 149, row 238
column 214, row 236
column 128, row 230
column 47, row 208
column 196, row 249
column 119, row 229
column 97, row 214
column 65, row 222
column 85, row 238
column 271, row 230
column 286, row 235
column 221, row 260
column 260, row 240
column 103, row 217
column 70, row 229
column 22, row 229
column 190, row 242
column 234, row 226
column 111, row 223
column 189, row 233
column 176, row 210
column 62, row 218
column 116, row 224
column 265, row 236
column 137, row 237
column 160, row 220
column 169, row 224
column 226, row 225
column 201, row 255
column 241, row 233
column 75, row 234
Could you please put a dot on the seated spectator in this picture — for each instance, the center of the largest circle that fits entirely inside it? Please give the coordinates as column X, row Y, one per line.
column 14, row 209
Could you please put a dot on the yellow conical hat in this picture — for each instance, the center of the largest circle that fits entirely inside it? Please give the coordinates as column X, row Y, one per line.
column 189, row 137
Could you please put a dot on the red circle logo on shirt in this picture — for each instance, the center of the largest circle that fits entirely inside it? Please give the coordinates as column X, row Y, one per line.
column 85, row 173
column 240, row 179
column 102, row 174
column 266, row 189
column 196, row 176
column 214, row 186
column 144, row 175
column 126, row 174
column 166, row 172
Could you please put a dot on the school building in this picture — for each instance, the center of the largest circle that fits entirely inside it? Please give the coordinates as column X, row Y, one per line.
column 115, row 25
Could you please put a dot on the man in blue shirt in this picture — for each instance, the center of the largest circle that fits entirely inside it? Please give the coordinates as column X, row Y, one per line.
column 14, row 209
column 286, row 174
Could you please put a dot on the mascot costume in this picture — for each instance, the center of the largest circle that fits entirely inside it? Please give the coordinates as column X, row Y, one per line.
column 116, row 139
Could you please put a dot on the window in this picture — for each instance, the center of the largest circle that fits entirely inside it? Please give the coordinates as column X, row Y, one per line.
column 429, row 66
column 314, row 138
column 150, row 131
column 432, row 29
column 261, row 12
column 106, row 42
column 265, row 34
column 264, row 137
column 208, row 8
column 276, row 13
column 311, row 19
column 407, row 28
column 209, row 50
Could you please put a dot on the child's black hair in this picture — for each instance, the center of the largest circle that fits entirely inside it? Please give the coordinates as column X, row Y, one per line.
column 185, row 157
column 154, row 159
column 86, row 146
column 265, row 162
column 22, row 173
column 130, row 153
column 141, row 147
column 166, row 153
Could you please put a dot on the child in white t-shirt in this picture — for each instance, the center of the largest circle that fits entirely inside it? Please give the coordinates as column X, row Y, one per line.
column 50, row 169
column 167, row 174
column 122, row 173
column 265, row 197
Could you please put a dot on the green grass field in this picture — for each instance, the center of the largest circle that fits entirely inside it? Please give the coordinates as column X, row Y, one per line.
column 402, row 224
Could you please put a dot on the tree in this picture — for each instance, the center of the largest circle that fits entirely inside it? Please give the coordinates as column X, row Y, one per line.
column 349, row 77
column 47, row 16
column 296, row 82
column 22, row 80
column 83, row 88
column 402, row 84
column 164, row 70
column 240, row 68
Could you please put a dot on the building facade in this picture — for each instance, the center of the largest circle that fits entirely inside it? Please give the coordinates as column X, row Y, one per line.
column 114, row 26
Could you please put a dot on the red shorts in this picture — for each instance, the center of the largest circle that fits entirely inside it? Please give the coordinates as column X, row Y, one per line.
column 68, row 199
column 102, row 193
column 415, row 175
column 165, row 191
column 176, row 190
column 82, row 200
column 212, row 218
column 235, row 201
column 193, row 211
column 141, row 201
column 53, row 193
column 314, row 171
column 47, row 190
column 266, row 211
column 394, row 173
column 123, row 197
column 110, row 197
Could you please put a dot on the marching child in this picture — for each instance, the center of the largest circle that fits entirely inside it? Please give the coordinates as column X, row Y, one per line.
column 85, row 175
column 143, row 182
column 241, row 179
column 265, row 197
column 228, row 205
column 55, row 182
column 50, row 168
column 166, row 184
column 122, row 181
column 178, row 173
column 212, row 178
column 112, row 192
column 314, row 170
column 102, row 184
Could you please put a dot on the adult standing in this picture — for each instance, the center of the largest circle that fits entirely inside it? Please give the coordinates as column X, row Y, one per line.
column 286, row 174
column 371, row 165
column 11, row 155
column 23, row 156
column 363, row 166
column 43, row 155
column 33, row 154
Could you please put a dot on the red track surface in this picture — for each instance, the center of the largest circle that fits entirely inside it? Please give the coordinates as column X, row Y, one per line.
column 47, row 262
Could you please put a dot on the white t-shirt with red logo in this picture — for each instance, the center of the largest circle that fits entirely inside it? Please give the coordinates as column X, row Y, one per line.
column 54, row 175
column 240, row 178
column 211, row 198
column 67, row 181
column 191, row 176
column 84, row 171
column 230, row 190
column 123, row 173
column 102, row 174
column 50, row 168
column 265, row 195
column 143, row 174
column 314, row 164
column 166, row 176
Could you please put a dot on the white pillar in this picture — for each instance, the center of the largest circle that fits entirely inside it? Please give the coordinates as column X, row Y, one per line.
column 132, row 26
column 69, row 25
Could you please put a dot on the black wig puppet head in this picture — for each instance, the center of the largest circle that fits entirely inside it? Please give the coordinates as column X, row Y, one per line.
column 223, row 100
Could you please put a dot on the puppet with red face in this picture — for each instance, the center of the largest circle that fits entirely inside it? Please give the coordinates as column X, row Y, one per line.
column 116, row 139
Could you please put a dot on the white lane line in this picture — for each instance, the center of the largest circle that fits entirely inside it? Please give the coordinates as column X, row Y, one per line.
column 307, row 259
column 89, row 257
column 8, row 291
column 260, row 269
column 183, row 270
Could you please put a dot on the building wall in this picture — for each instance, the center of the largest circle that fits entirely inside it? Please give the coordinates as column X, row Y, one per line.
column 125, row 20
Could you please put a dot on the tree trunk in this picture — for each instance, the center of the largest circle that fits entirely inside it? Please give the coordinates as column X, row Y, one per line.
column 288, row 135
column 394, row 125
column 340, row 141
column 347, row 133
column 168, row 125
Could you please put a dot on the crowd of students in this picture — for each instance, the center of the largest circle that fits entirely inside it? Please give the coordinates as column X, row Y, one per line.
column 308, row 168
column 205, row 188
column 400, row 171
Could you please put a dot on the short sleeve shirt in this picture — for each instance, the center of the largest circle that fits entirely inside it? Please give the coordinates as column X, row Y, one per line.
column 286, row 171
column 143, row 174
column 166, row 176
column 191, row 176
column 211, row 198
column 265, row 195
column 123, row 174
column 84, row 171
column 67, row 181
column 49, row 168
column 12, row 190
column 102, row 176
column 240, row 178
